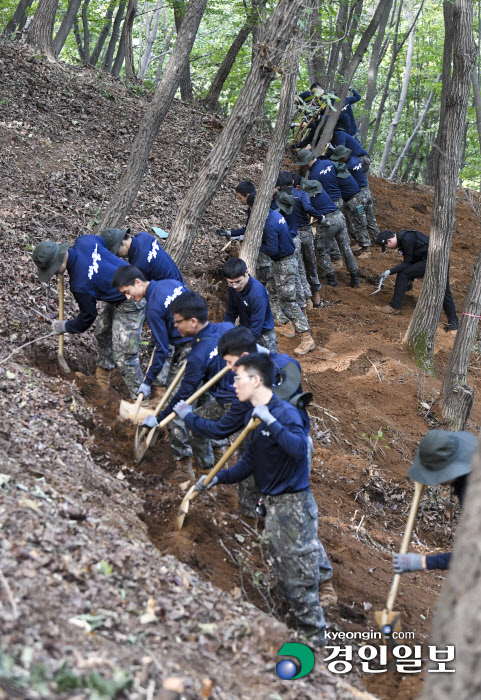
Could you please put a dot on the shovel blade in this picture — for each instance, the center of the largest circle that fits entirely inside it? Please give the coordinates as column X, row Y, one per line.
column 62, row 363
column 391, row 618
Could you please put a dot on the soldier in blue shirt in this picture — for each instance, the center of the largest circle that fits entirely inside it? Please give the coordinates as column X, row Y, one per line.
column 91, row 268
column 248, row 301
column 304, row 211
column 350, row 123
column 354, row 165
column 144, row 251
column 190, row 317
column 341, row 138
column 276, row 456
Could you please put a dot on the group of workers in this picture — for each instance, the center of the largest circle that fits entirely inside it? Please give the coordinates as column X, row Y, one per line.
column 138, row 280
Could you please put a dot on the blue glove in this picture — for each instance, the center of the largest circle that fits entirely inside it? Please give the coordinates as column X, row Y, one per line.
column 58, row 327
column 182, row 408
column 385, row 275
column 200, row 486
column 264, row 414
column 150, row 422
column 407, row 562
column 144, row 389
column 223, row 232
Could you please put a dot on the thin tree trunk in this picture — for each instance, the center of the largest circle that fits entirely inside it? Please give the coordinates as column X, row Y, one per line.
column 66, row 26
column 456, row 392
column 119, row 57
column 412, row 137
column 41, row 30
column 124, row 195
column 18, row 19
column 86, row 32
column 421, row 331
column 273, row 160
column 477, row 103
column 273, row 39
column 372, row 73
column 103, row 34
column 186, row 89
column 150, row 35
column 127, row 35
column 158, row 73
column 212, row 99
column 331, row 117
column 336, row 47
column 109, row 54
column 315, row 59
column 402, row 98
column 78, row 41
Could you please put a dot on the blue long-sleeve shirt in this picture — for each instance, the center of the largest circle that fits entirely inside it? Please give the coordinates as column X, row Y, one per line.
column 147, row 254
column 290, row 218
column 303, row 208
column 276, row 454
column 348, row 186
column 251, row 306
column 276, row 238
column 159, row 296
column 203, row 362
column 91, row 267
column 354, row 166
column 324, row 171
column 236, row 232
column 347, row 110
column 234, row 419
column 341, row 138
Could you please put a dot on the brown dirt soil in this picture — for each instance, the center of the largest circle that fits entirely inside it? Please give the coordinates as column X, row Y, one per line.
column 362, row 378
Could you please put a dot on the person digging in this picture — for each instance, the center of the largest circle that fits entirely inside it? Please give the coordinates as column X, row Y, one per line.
column 414, row 247
column 276, row 455
column 442, row 457
column 91, row 267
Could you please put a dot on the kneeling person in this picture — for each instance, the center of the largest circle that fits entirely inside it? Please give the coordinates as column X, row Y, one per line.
column 276, row 455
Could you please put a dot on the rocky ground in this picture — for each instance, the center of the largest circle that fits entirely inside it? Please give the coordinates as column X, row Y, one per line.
column 99, row 595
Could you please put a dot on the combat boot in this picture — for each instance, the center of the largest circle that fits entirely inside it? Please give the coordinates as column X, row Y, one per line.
column 354, row 281
column 184, row 470
column 102, row 377
column 316, row 298
column 285, row 329
column 307, row 344
column 365, row 253
column 309, row 304
column 327, row 594
column 331, row 280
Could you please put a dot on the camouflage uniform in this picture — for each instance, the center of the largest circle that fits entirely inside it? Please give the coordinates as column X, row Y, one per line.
column 202, row 447
column 297, row 556
column 268, row 340
column 117, row 331
column 334, row 230
column 263, row 268
column 309, row 258
column 303, row 290
column 178, row 437
column 282, row 291
column 372, row 227
column 355, row 215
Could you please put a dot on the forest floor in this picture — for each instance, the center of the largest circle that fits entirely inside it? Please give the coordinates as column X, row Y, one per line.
column 94, row 578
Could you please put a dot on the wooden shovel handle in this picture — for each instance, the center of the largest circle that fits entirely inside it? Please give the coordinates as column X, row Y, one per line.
column 408, row 532
column 170, row 390
column 140, row 397
column 60, row 310
column 205, row 387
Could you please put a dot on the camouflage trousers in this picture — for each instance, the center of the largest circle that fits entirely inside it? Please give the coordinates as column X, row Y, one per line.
column 334, row 229
column 303, row 290
column 117, row 331
column 372, row 227
column 309, row 258
column 282, row 291
column 298, row 557
column 263, row 268
column 268, row 340
column 355, row 215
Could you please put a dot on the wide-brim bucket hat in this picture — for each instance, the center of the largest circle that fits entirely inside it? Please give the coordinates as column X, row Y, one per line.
column 442, row 456
column 48, row 256
column 114, row 237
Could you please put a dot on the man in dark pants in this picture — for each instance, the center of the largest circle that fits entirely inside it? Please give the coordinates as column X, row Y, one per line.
column 276, row 455
column 414, row 248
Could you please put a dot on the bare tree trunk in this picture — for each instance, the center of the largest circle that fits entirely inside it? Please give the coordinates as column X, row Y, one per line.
column 66, row 26
column 477, row 102
column 41, row 30
column 103, row 34
column 315, row 59
column 272, row 163
column 273, row 39
column 212, row 99
column 402, row 99
column 127, row 35
column 124, row 195
column 336, row 47
column 167, row 43
column 331, row 117
column 119, row 57
column 18, row 19
column 412, row 137
column 151, row 28
column 458, row 607
column 372, row 73
column 421, row 331
column 186, row 89
column 109, row 54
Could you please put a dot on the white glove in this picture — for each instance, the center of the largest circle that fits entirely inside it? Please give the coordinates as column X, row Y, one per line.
column 200, row 486
column 385, row 275
column 264, row 414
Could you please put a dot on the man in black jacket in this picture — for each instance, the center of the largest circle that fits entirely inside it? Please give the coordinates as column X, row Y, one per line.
column 414, row 247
